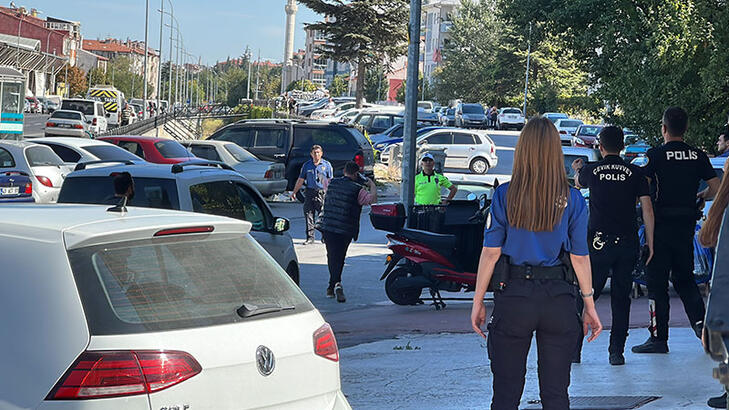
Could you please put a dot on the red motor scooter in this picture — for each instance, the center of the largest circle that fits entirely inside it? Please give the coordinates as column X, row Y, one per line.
column 445, row 260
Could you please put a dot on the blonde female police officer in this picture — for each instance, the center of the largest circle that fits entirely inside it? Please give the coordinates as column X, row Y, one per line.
column 534, row 219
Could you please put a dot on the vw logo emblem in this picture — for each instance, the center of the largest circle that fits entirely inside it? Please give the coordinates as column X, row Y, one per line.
column 265, row 360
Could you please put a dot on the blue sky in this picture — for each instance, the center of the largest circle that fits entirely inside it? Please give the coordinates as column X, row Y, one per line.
column 212, row 29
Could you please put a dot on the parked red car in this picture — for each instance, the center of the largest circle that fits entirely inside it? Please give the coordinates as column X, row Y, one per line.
column 156, row 150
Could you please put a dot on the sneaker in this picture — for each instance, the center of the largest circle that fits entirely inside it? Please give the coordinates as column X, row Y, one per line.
column 339, row 291
column 309, row 241
column 717, row 402
column 651, row 346
column 330, row 292
column 617, row 359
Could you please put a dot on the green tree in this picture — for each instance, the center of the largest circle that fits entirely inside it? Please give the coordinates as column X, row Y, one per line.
column 376, row 85
column 237, row 85
column 339, row 86
column 121, row 74
column 643, row 56
column 362, row 32
column 97, row 76
column 302, row 85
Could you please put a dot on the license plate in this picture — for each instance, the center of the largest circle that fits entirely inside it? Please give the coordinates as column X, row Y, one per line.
column 64, row 126
column 13, row 190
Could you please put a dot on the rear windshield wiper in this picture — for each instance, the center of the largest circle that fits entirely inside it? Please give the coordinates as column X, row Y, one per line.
column 249, row 310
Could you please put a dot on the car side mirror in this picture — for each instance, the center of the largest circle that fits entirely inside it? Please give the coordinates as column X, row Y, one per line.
column 281, row 225
column 108, row 115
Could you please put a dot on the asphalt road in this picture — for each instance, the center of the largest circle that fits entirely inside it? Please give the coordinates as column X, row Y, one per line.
column 34, row 125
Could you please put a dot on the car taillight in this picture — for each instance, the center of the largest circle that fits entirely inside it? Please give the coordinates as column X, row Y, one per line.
column 562, row 132
column 359, row 159
column 78, row 126
column 50, row 124
column 184, row 231
column 492, row 148
column 94, row 121
column 105, row 374
column 29, row 188
column 325, row 345
column 44, row 180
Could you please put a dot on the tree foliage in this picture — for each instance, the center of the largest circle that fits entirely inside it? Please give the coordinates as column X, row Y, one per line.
column 485, row 61
column 362, row 32
column 643, row 56
column 302, row 85
column 376, row 85
column 76, row 81
column 339, row 86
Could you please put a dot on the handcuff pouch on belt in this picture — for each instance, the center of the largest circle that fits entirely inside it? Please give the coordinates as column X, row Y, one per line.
column 504, row 271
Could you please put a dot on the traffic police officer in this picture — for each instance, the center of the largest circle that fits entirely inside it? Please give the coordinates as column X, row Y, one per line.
column 615, row 187
column 534, row 220
column 315, row 176
column 428, row 184
column 675, row 169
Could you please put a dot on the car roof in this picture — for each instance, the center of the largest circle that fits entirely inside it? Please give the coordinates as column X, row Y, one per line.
column 559, row 120
column 84, row 225
column 16, row 145
column 73, row 141
column 149, row 170
column 80, row 99
column 136, row 138
column 588, row 152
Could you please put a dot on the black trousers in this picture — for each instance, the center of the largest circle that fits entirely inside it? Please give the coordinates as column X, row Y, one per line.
column 337, row 245
column 313, row 203
column 673, row 259
column 524, row 307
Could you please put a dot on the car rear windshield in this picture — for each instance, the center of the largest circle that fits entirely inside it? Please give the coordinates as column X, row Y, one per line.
column 66, row 115
column 172, row 149
column 239, row 153
column 570, row 124
column 590, row 131
column 358, row 136
column 472, row 109
column 110, row 152
column 512, row 111
column 86, row 107
column 180, row 282
column 148, row 192
column 41, row 156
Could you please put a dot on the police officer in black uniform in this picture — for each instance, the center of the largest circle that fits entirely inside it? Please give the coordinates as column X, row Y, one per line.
column 615, row 187
column 675, row 169
column 537, row 229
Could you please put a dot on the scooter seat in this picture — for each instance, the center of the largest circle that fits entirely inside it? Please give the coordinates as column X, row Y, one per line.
column 440, row 242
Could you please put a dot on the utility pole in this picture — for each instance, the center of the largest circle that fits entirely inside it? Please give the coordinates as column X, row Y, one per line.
column 411, row 110
column 248, row 90
column 258, row 73
column 169, row 80
column 526, row 82
column 146, row 38
column 159, row 62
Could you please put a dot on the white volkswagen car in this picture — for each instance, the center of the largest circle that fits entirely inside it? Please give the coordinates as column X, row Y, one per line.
column 473, row 150
column 152, row 309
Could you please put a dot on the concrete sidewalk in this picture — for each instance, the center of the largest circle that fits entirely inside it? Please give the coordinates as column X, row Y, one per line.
column 451, row 371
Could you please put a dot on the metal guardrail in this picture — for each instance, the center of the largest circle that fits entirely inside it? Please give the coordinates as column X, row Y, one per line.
column 139, row 127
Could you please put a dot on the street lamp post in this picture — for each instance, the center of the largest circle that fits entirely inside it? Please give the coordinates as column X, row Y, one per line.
column 146, row 38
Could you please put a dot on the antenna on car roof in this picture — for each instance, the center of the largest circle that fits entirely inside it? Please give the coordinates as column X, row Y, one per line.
column 124, row 188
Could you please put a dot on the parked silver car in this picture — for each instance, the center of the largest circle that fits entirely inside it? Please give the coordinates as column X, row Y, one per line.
column 466, row 149
column 74, row 150
column 46, row 168
column 268, row 177
column 567, row 128
column 67, row 123
column 153, row 309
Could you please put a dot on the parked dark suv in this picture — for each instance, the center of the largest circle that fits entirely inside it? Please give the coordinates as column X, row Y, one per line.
column 290, row 142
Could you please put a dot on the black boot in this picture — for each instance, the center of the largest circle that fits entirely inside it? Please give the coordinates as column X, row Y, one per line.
column 718, row 402
column 651, row 345
column 617, row 359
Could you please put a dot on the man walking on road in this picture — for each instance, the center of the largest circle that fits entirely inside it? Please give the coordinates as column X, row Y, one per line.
column 314, row 177
column 675, row 169
column 615, row 187
column 339, row 221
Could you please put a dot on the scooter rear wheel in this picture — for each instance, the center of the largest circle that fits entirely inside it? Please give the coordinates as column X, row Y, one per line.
column 398, row 295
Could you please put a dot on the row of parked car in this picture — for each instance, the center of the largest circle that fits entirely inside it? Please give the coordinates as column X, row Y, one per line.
column 42, row 105
column 133, row 296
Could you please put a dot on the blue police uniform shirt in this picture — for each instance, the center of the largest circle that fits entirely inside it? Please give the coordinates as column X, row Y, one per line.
column 724, row 155
column 316, row 176
column 538, row 248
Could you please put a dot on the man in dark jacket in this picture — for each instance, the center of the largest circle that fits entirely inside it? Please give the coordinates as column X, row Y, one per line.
column 339, row 221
